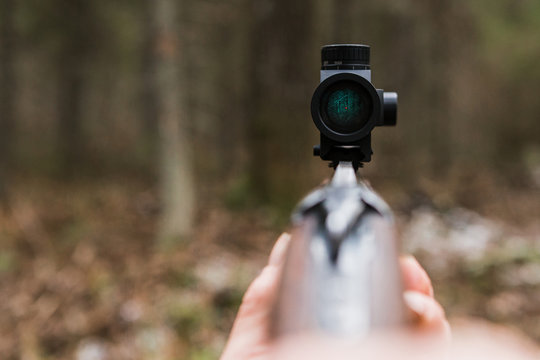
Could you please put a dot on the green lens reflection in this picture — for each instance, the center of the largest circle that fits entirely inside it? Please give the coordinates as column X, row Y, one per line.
column 344, row 108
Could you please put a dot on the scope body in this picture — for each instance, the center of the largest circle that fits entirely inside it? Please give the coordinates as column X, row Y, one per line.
column 346, row 106
column 341, row 275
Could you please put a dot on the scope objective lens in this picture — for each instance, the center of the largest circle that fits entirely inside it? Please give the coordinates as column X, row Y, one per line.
column 346, row 107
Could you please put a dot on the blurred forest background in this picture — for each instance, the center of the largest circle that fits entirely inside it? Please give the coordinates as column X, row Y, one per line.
column 152, row 150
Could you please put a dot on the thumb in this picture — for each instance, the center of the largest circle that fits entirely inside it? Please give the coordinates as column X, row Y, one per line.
column 249, row 333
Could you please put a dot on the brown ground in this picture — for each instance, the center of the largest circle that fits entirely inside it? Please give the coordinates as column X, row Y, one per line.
column 80, row 275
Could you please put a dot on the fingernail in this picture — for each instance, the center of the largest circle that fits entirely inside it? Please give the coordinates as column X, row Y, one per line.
column 416, row 302
column 277, row 256
column 410, row 258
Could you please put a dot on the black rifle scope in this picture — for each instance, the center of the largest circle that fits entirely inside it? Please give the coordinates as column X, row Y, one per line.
column 346, row 106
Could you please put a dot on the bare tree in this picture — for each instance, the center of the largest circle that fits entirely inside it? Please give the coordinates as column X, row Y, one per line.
column 176, row 177
column 279, row 82
column 7, row 89
column 78, row 20
column 148, row 94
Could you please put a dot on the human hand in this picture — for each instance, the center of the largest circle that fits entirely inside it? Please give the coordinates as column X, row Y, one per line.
column 249, row 338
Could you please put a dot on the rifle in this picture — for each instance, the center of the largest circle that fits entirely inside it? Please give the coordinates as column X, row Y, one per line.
column 342, row 274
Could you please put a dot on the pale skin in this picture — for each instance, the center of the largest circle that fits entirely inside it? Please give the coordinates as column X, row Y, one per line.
column 427, row 338
column 250, row 340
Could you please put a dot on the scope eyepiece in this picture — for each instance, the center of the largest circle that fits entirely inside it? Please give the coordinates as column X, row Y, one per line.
column 346, row 106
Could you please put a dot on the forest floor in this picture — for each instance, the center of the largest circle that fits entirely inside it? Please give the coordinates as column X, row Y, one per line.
column 81, row 278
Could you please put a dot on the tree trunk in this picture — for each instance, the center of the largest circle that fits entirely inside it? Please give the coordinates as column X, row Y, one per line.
column 440, row 50
column 7, row 90
column 71, row 64
column 69, row 122
column 148, row 79
column 279, row 82
column 176, row 176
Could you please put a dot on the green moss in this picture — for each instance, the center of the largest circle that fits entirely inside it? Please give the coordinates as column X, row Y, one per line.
column 183, row 278
column 239, row 194
column 203, row 354
column 8, row 262
column 188, row 318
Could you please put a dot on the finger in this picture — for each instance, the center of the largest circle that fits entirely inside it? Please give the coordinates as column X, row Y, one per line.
column 415, row 277
column 259, row 296
column 249, row 332
column 277, row 256
column 261, row 291
column 250, row 327
column 430, row 314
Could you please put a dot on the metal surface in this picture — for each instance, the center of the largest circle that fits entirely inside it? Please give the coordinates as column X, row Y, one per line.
column 341, row 275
